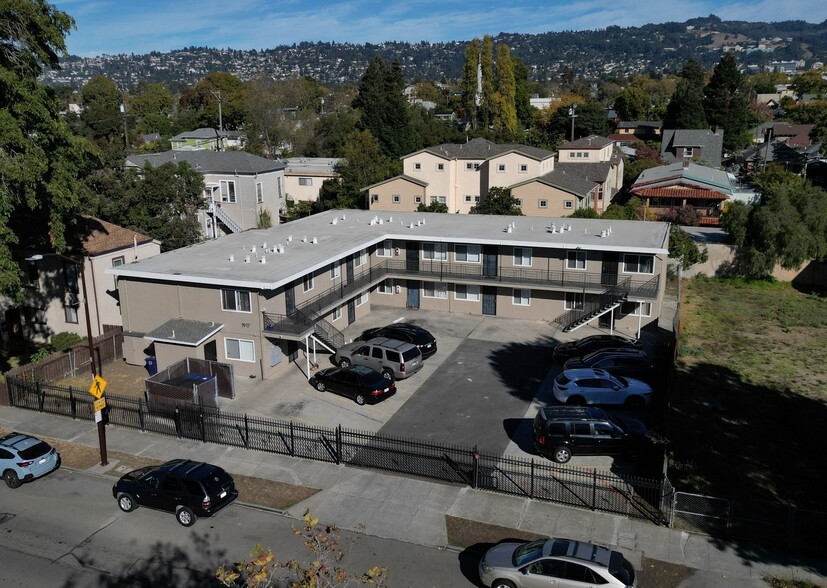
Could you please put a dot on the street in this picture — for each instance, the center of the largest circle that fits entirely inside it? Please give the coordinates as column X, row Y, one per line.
column 66, row 530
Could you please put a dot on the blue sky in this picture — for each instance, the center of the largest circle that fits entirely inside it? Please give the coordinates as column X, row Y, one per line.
column 130, row 26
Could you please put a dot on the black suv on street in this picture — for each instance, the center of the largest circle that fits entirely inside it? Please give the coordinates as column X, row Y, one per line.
column 562, row 431
column 188, row 488
column 586, row 345
column 629, row 362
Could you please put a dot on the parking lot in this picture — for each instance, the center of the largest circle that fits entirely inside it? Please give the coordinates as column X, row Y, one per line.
column 482, row 388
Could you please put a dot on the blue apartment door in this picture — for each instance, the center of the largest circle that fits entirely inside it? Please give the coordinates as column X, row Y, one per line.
column 489, row 300
column 413, row 294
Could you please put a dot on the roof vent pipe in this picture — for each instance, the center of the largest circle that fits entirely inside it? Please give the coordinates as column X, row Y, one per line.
column 173, row 334
column 232, row 258
column 390, row 219
column 304, row 239
column 289, row 238
column 334, row 221
column 263, row 259
column 253, row 249
column 246, row 259
column 410, row 226
column 314, row 240
column 264, row 246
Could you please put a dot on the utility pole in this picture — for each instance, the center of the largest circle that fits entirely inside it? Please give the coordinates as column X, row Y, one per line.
column 573, row 116
column 125, row 132
column 217, row 95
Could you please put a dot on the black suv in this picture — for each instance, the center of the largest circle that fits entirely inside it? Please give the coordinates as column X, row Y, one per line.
column 586, row 345
column 188, row 488
column 563, row 431
column 407, row 332
column 629, row 362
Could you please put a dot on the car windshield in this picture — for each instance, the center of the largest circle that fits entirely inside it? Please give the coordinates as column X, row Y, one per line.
column 35, row 451
column 528, row 552
column 562, row 379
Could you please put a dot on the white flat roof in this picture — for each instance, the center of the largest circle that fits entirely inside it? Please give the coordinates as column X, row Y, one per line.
column 210, row 262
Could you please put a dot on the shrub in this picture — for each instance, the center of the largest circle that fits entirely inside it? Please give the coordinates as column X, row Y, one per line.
column 63, row 341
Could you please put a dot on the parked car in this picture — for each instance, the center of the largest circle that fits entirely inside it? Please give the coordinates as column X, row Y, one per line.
column 361, row 383
column 190, row 489
column 630, row 362
column 586, row 345
column 562, row 563
column 596, row 386
column 562, row 431
column 24, row 458
column 391, row 358
column 407, row 332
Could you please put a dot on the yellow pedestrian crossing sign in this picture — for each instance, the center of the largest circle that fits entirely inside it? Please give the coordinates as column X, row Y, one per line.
column 98, row 387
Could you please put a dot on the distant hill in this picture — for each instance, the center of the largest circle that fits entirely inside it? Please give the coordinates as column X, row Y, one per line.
column 613, row 52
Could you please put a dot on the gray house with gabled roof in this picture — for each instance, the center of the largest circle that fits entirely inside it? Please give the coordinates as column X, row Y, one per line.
column 238, row 187
column 692, row 144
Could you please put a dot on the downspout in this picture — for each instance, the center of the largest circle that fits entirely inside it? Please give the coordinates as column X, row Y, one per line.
column 95, row 294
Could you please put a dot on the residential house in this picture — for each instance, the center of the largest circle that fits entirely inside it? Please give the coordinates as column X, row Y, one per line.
column 262, row 299
column 238, row 187
column 776, row 151
column 207, row 138
column 640, row 130
column 303, row 176
column 594, row 159
column 692, row 144
column 53, row 288
column 795, row 136
column 669, row 187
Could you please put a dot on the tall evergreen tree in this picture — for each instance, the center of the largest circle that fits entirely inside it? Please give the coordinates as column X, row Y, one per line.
column 487, row 105
column 470, row 72
column 726, row 103
column 686, row 108
column 522, row 96
column 383, row 108
column 505, row 120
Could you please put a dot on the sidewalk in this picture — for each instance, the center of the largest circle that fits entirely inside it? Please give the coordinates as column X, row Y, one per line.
column 414, row 510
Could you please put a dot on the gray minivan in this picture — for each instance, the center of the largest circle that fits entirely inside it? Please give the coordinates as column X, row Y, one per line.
column 391, row 358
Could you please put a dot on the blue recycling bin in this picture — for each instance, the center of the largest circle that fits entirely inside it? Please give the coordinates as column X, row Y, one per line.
column 151, row 364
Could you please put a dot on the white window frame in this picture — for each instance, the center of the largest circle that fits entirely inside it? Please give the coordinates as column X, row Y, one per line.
column 385, row 248
column 386, row 286
column 688, row 151
column 573, row 300
column 521, row 297
column 471, row 253
column 466, row 293
column 525, row 253
column 500, row 168
column 638, row 257
column 308, row 283
column 417, row 166
column 238, row 300
column 576, row 260
column 249, row 345
column 645, row 307
column 305, row 181
column 337, row 313
column 523, row 168
column 518, row 201
column 417, row 199
column 335, row 270
column 227, row 188
column 361, row 258
column 476, row 167
column 395, row 198
column 542, row 204
column 572, row 155
column 469, row 166
column 259, row 192
column 438, row 290
column 568, row 204
column 70, row 313
column 118, row 261
column 440, row 167
column 438, row 251
column 468, row 198
column 361, row 299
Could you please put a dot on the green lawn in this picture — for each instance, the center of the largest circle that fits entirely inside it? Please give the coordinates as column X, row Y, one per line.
column 749, row 402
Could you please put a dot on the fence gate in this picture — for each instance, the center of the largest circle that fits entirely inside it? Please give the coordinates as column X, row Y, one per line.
column 696, row 512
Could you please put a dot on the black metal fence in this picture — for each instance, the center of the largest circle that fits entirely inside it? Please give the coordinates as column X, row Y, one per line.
column 634, row 497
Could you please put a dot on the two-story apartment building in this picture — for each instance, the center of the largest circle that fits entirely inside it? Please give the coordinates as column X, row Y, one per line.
column 593, row 158
column 238, row 187
column 53, row 284
column 303, row 176
column 258, row 298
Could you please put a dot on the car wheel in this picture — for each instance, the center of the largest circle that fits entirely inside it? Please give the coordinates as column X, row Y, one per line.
column 635, row 402
column 11, row 478
column 344, row 362
column 185, row 516
column 387, row 374
column 576, row 401
column 360, row 399
column 320, row 386
column 126, row 502
column 561, row 454
column 502, row 584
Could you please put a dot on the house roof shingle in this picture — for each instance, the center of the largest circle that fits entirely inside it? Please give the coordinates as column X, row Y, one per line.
column 692, row 175
column 205, row 161
column 677, row 192
column 483, row 149
column 102, row 236
column 590, row 142
column 184, row 332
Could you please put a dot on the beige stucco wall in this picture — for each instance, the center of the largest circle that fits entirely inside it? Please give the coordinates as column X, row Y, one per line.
column 589, row 155
column 295, row 191
column 530, row 194
column 381, row 197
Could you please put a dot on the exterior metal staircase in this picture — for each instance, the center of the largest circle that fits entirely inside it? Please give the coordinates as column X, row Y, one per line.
column 607, row 301
column 225, row 218
column 299, row 324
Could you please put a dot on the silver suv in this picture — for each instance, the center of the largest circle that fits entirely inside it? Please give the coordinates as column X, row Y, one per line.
column 391, row 358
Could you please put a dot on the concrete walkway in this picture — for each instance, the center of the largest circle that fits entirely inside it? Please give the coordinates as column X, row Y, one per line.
column 415, row 511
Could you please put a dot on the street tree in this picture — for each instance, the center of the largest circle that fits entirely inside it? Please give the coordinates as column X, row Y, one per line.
column 684, row 249
column 686, row 107
column 788, row 227
column 633, row 103
column 324, row 569
column 42, row 163
column 150, row 108
column 101, row 113
column 498, row 201
column 810, row 82
column 469, row 85
column 522, row 94
column 505, row 95
column 281, row 116
column 726, row 103
column 214, row 89
column 383, row 109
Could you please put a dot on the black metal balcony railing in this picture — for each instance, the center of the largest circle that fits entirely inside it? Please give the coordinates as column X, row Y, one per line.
column 612, row 297
column 439, row 271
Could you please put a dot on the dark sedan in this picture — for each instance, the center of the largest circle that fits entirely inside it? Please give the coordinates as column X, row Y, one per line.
column 586, row 345
column 408, row 332
column 360, row 383
column 632, row 363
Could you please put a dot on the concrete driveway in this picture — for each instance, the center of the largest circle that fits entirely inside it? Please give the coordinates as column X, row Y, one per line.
column 482, row 387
